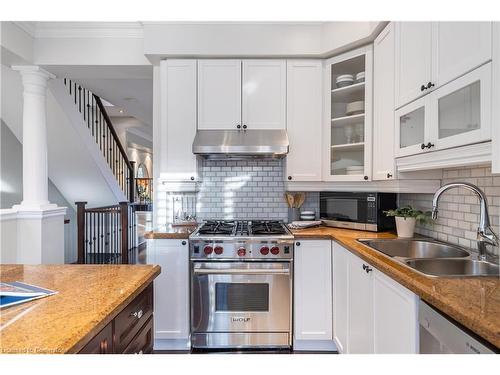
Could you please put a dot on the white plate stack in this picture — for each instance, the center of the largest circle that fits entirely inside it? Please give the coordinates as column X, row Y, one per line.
column 355, row 169
column 344, row 80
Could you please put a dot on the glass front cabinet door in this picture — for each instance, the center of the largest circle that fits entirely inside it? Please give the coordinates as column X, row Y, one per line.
column 456, row 114
column 348, row 124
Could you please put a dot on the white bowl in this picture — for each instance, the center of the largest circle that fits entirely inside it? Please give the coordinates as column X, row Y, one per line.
column 307, row 213
column 307, row 217
column 360, row 77
column 355, row 108
column 344, row 80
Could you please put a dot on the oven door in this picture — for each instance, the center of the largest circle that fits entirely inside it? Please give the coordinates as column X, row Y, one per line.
column 242, row 298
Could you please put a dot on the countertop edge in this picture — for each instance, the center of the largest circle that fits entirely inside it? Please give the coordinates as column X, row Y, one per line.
column 79, row 345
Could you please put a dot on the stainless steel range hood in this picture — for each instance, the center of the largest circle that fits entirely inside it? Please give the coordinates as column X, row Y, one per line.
column 241, row 144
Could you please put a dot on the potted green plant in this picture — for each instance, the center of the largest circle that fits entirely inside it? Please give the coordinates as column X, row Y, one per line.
column 406, row 218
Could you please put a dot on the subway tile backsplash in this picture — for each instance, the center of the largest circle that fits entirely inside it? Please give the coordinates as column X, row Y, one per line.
column 458, row 208
column 242, row 189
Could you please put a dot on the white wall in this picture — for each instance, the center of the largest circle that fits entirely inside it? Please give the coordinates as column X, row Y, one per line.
column 17, row 44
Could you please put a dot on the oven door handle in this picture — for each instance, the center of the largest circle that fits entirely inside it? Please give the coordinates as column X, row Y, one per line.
column 236, row 271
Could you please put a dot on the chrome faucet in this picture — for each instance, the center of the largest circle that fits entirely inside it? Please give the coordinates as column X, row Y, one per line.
column 485, row 235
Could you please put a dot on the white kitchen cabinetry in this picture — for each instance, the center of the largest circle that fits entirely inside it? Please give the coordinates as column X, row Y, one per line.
column 312, row 292
column 372, row 312
column 360, row 296
column 219, row 94
column 413, row 60
column 264, row 94
column 459, row 47
column 432, row 54
column 177, row 120
column 454, row 115
column 495, row 163
column 348, row 127
column 395, row 317
column 171, row 293
column 236, row 94
column 304, row 120
column 341, row 258
column 383, row 104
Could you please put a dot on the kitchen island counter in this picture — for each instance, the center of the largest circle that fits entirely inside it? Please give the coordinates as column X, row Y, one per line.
column 89, row 297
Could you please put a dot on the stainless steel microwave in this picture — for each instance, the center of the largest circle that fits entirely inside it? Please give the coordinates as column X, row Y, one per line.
column 362, row 211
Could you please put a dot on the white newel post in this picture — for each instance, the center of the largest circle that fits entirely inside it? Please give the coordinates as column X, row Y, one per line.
column 40, row 224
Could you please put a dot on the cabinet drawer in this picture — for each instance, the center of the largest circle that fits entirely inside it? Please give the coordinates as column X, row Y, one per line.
column 102, row 343
column 133, row 317
column 142, row 343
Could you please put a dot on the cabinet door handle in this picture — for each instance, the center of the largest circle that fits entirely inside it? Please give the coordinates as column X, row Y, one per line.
column 423, row 146
column 429, row 85
column 137, row 314
column 429, row 145
column 238, row 126
column 183, row 243
column 192, row 178
column 423, row 88
column 389, row 175
column 297, row 243
column 244, row 126
column 366, row 178
column 289, row 178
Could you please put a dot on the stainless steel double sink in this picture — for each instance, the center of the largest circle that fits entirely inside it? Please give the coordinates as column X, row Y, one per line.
column 433, row 258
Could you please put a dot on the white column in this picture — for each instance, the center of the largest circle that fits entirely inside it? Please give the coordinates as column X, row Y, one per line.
column 35, row 175
column 39, row 235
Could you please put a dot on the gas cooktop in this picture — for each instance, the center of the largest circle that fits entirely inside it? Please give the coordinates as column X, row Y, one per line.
column 241, row 239
column 242, row 228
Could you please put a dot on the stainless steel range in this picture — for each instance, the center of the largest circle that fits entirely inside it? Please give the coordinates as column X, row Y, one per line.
column 241, row 285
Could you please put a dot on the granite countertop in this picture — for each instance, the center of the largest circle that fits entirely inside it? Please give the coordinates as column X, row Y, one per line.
column 170, row 232
column 89, row 297
column 472, row 301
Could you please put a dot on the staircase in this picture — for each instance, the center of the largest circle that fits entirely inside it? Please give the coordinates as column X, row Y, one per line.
column 105, row 234
column 100, row 127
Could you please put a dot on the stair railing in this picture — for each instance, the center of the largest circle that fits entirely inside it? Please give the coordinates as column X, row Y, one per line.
column 104, row 134
column 105, row 234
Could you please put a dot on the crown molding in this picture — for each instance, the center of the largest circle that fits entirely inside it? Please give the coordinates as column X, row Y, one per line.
column 89, row 30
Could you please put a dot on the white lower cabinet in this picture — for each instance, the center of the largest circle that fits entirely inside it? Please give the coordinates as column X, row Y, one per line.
column 360, row 306
column 171, row 293
column 371, row 312
column 395, row 317
column 313, row 295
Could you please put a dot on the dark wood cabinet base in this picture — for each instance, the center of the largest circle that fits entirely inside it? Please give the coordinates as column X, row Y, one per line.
column 130, row 332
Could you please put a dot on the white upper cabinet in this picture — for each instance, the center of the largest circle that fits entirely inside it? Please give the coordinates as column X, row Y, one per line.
column 454, row 115
column 348, row 116
column 459, row 47
column 413, row 60
column 395, row 317
column 304, row 120
column 431, row 54
column 219, row 94
column 383, row 104
column 313, row 290
column 264, row 94
column 177, row 120
column 495, row 163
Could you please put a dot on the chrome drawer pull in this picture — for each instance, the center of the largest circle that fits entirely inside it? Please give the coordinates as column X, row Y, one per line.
column 137, row 314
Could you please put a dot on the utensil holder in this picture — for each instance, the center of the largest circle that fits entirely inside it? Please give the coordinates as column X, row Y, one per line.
column 293, row 214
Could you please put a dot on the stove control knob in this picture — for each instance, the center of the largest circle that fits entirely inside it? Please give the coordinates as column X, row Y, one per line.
column 275, row 250
column 208, row 250
column 242, row 252
column 218, row 250
column 264, row 250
